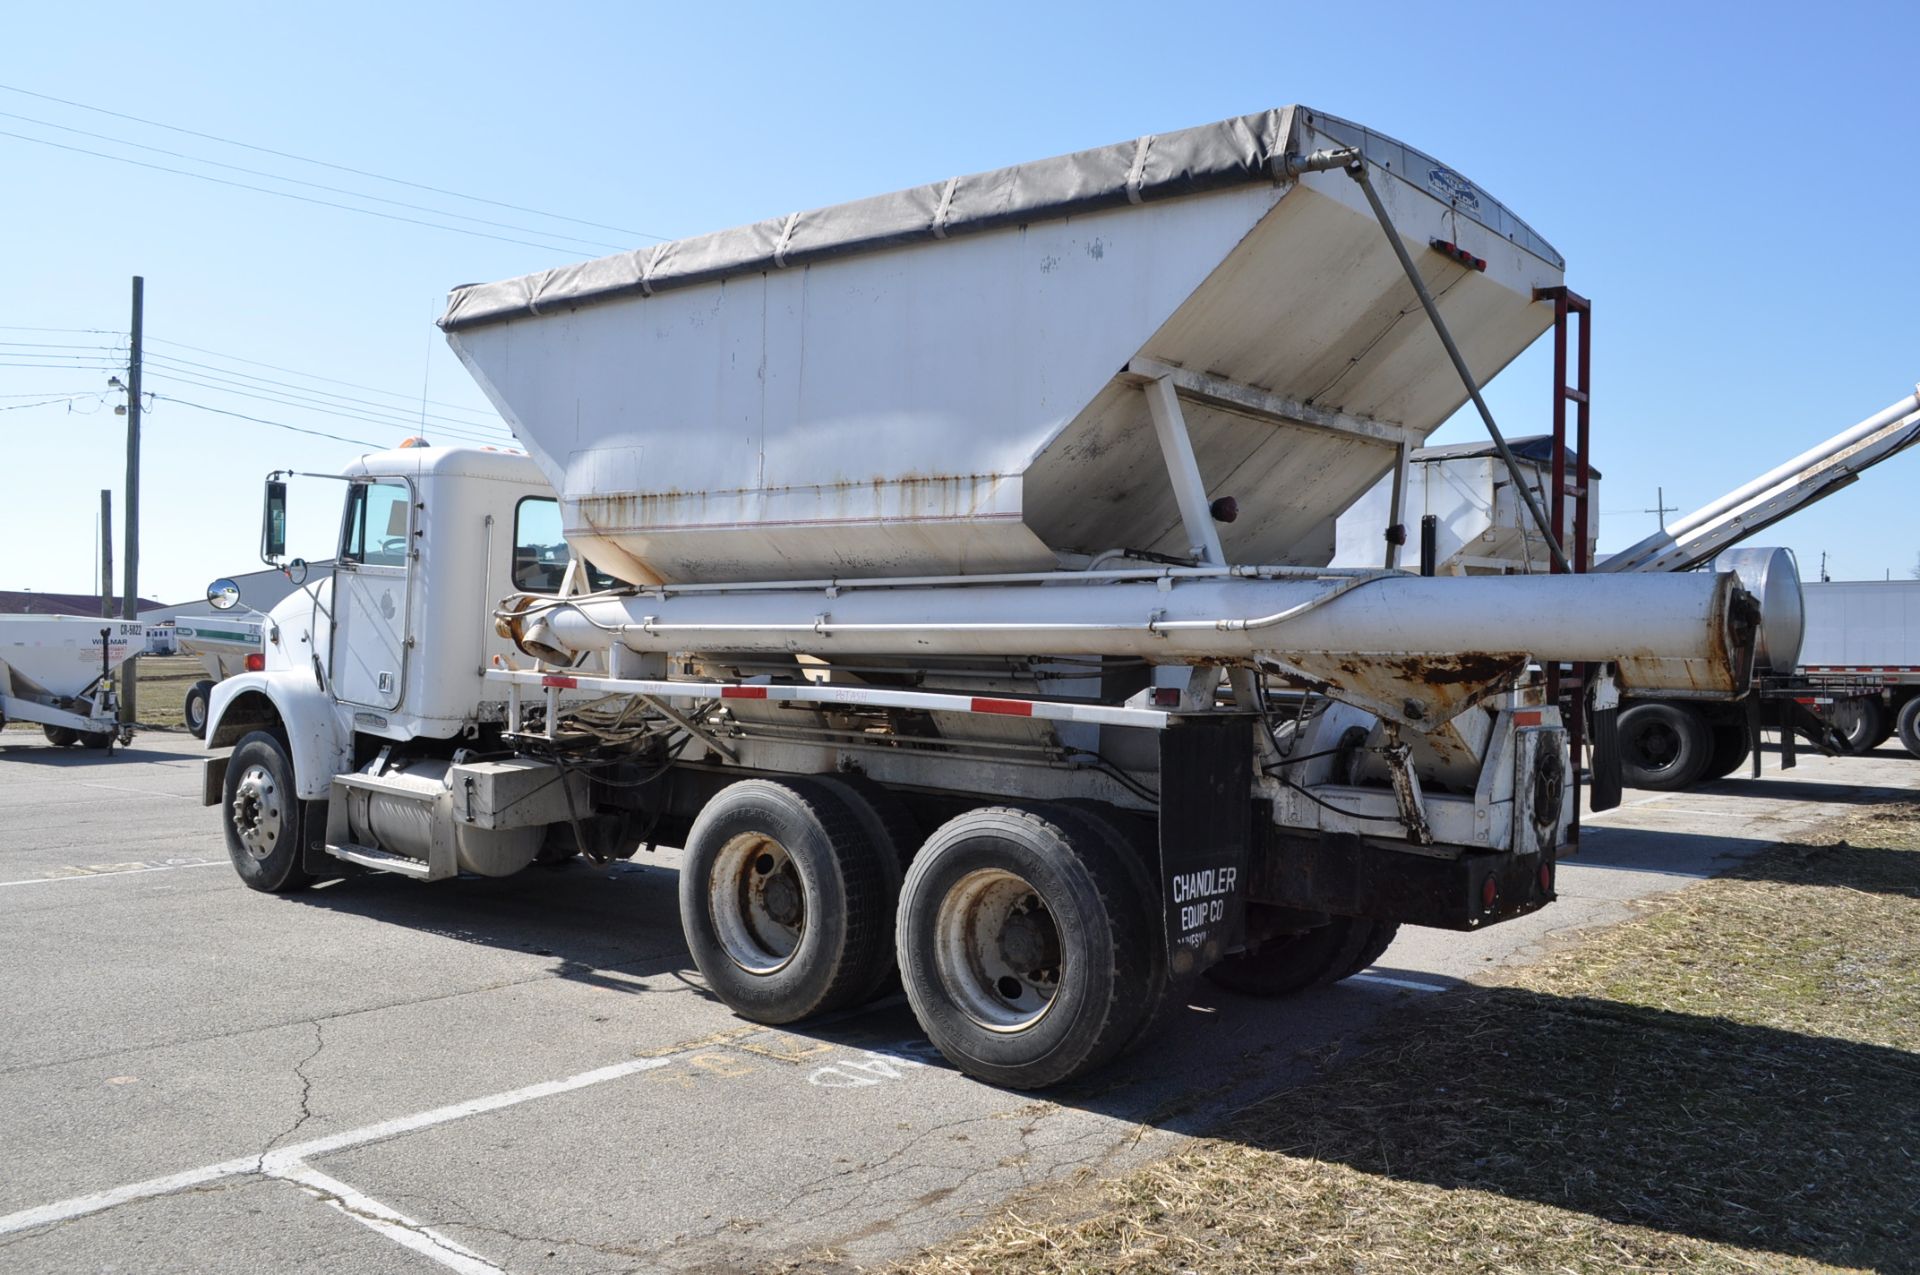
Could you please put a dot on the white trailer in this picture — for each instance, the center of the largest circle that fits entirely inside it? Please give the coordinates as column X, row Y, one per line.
column 57, row 671
column 224, row 646
column 1867, row 630
column 950, row 574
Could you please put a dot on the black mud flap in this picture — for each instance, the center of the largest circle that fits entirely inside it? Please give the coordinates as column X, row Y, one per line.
column 1606, row 783
column 1206, row 836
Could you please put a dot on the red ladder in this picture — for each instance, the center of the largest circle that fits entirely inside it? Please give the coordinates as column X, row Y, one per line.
column 1567, row 303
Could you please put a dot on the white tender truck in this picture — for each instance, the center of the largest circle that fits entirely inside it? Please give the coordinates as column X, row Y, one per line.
column 948, row 573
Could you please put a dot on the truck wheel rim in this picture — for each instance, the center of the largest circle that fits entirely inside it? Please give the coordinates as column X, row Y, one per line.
column 1659, row 744
column 196, row 715
column 758, row 903
column 258, row 812
column 997, row 949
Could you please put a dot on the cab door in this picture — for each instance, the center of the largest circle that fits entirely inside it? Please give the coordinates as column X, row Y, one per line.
column 371, row 595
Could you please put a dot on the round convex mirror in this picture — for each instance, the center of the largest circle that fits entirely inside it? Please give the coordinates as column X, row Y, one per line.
column 296, row 571
column 223, row 594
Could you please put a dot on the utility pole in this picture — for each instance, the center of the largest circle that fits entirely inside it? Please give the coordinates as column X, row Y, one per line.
column 106, row 554
column 1661, row 507
column 130, row 604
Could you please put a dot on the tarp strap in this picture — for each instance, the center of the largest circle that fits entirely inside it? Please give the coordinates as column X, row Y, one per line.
column 647, row 261
column 946, row 207
column 786, row 237
column 1138, row 173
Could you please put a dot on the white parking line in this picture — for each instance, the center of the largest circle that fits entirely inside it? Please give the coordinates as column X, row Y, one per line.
column 1388, row 980
column 279, row 1163
column 386, row 1221
column 84, row 874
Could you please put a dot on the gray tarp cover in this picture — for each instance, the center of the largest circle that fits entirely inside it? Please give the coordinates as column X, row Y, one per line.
column 1230, row 153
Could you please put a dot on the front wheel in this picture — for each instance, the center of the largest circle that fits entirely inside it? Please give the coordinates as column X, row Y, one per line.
column 1024, row 945
column 265, row 818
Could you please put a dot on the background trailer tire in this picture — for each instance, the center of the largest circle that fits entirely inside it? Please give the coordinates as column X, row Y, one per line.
column 1862, row 721
column 195, row 710
column 1908, row 725
column 784, row 900
column 1663, row 746
column 1024, row 945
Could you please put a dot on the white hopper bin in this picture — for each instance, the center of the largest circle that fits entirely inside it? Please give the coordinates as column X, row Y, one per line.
column 51, row 667
column 946, row 380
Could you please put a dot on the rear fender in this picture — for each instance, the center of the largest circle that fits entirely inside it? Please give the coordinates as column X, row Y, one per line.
column 285, row 702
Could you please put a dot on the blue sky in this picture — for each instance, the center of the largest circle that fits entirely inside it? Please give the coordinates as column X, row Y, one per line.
column 1735, row 187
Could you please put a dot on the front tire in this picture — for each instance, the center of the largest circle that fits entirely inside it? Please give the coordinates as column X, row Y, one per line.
column 61, row 736
column 1024, row 945
column 195, row 710
column 783, row 901
column 1665, row 747
column 266, row 820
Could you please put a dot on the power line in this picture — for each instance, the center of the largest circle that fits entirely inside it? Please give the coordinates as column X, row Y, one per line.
column 174, row 367
column 337, row 190
column 286, row 194
column 315, row 376
column 22, row 327
column 358, row 172
column 64, row 398
column 261, row 420
column 323, row 409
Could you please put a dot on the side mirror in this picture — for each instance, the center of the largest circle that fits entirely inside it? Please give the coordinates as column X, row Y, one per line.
column 296, row 571
column 273, row 533
column 223, row 594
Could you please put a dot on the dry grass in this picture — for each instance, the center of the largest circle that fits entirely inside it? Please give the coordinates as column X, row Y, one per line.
column 1729, row 1083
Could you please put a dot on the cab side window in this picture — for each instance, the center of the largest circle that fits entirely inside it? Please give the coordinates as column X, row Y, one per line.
column 375, row 533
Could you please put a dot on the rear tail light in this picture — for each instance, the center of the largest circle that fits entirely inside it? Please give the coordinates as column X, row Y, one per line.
column 256, row 662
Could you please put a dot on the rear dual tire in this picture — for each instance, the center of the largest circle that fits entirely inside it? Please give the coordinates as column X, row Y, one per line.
column 1664, row 746
column 1288, row 963
column 1025, row 946
column 784, row 900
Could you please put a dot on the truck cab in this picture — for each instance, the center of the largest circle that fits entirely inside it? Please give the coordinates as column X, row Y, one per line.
column 390, row 646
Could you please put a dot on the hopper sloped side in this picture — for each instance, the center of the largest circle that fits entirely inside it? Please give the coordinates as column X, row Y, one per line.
column 1313, row 308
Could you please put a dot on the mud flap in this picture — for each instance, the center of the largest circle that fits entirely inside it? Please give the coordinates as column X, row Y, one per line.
column 1606, row 782
column 1206, row 836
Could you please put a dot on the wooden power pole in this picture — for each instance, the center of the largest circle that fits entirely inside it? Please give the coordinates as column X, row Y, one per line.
column 106, row 554
column 130, row 604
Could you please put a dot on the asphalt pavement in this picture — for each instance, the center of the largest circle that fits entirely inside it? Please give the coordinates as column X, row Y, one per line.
column 528, row 1075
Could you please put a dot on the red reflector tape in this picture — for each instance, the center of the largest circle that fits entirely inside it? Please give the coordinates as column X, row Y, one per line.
column 551, row 680
column 1531, row 717
column 1010, row 707
column 743, row 692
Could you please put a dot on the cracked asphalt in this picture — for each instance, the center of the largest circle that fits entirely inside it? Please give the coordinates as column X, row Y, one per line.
column 527, row 1075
